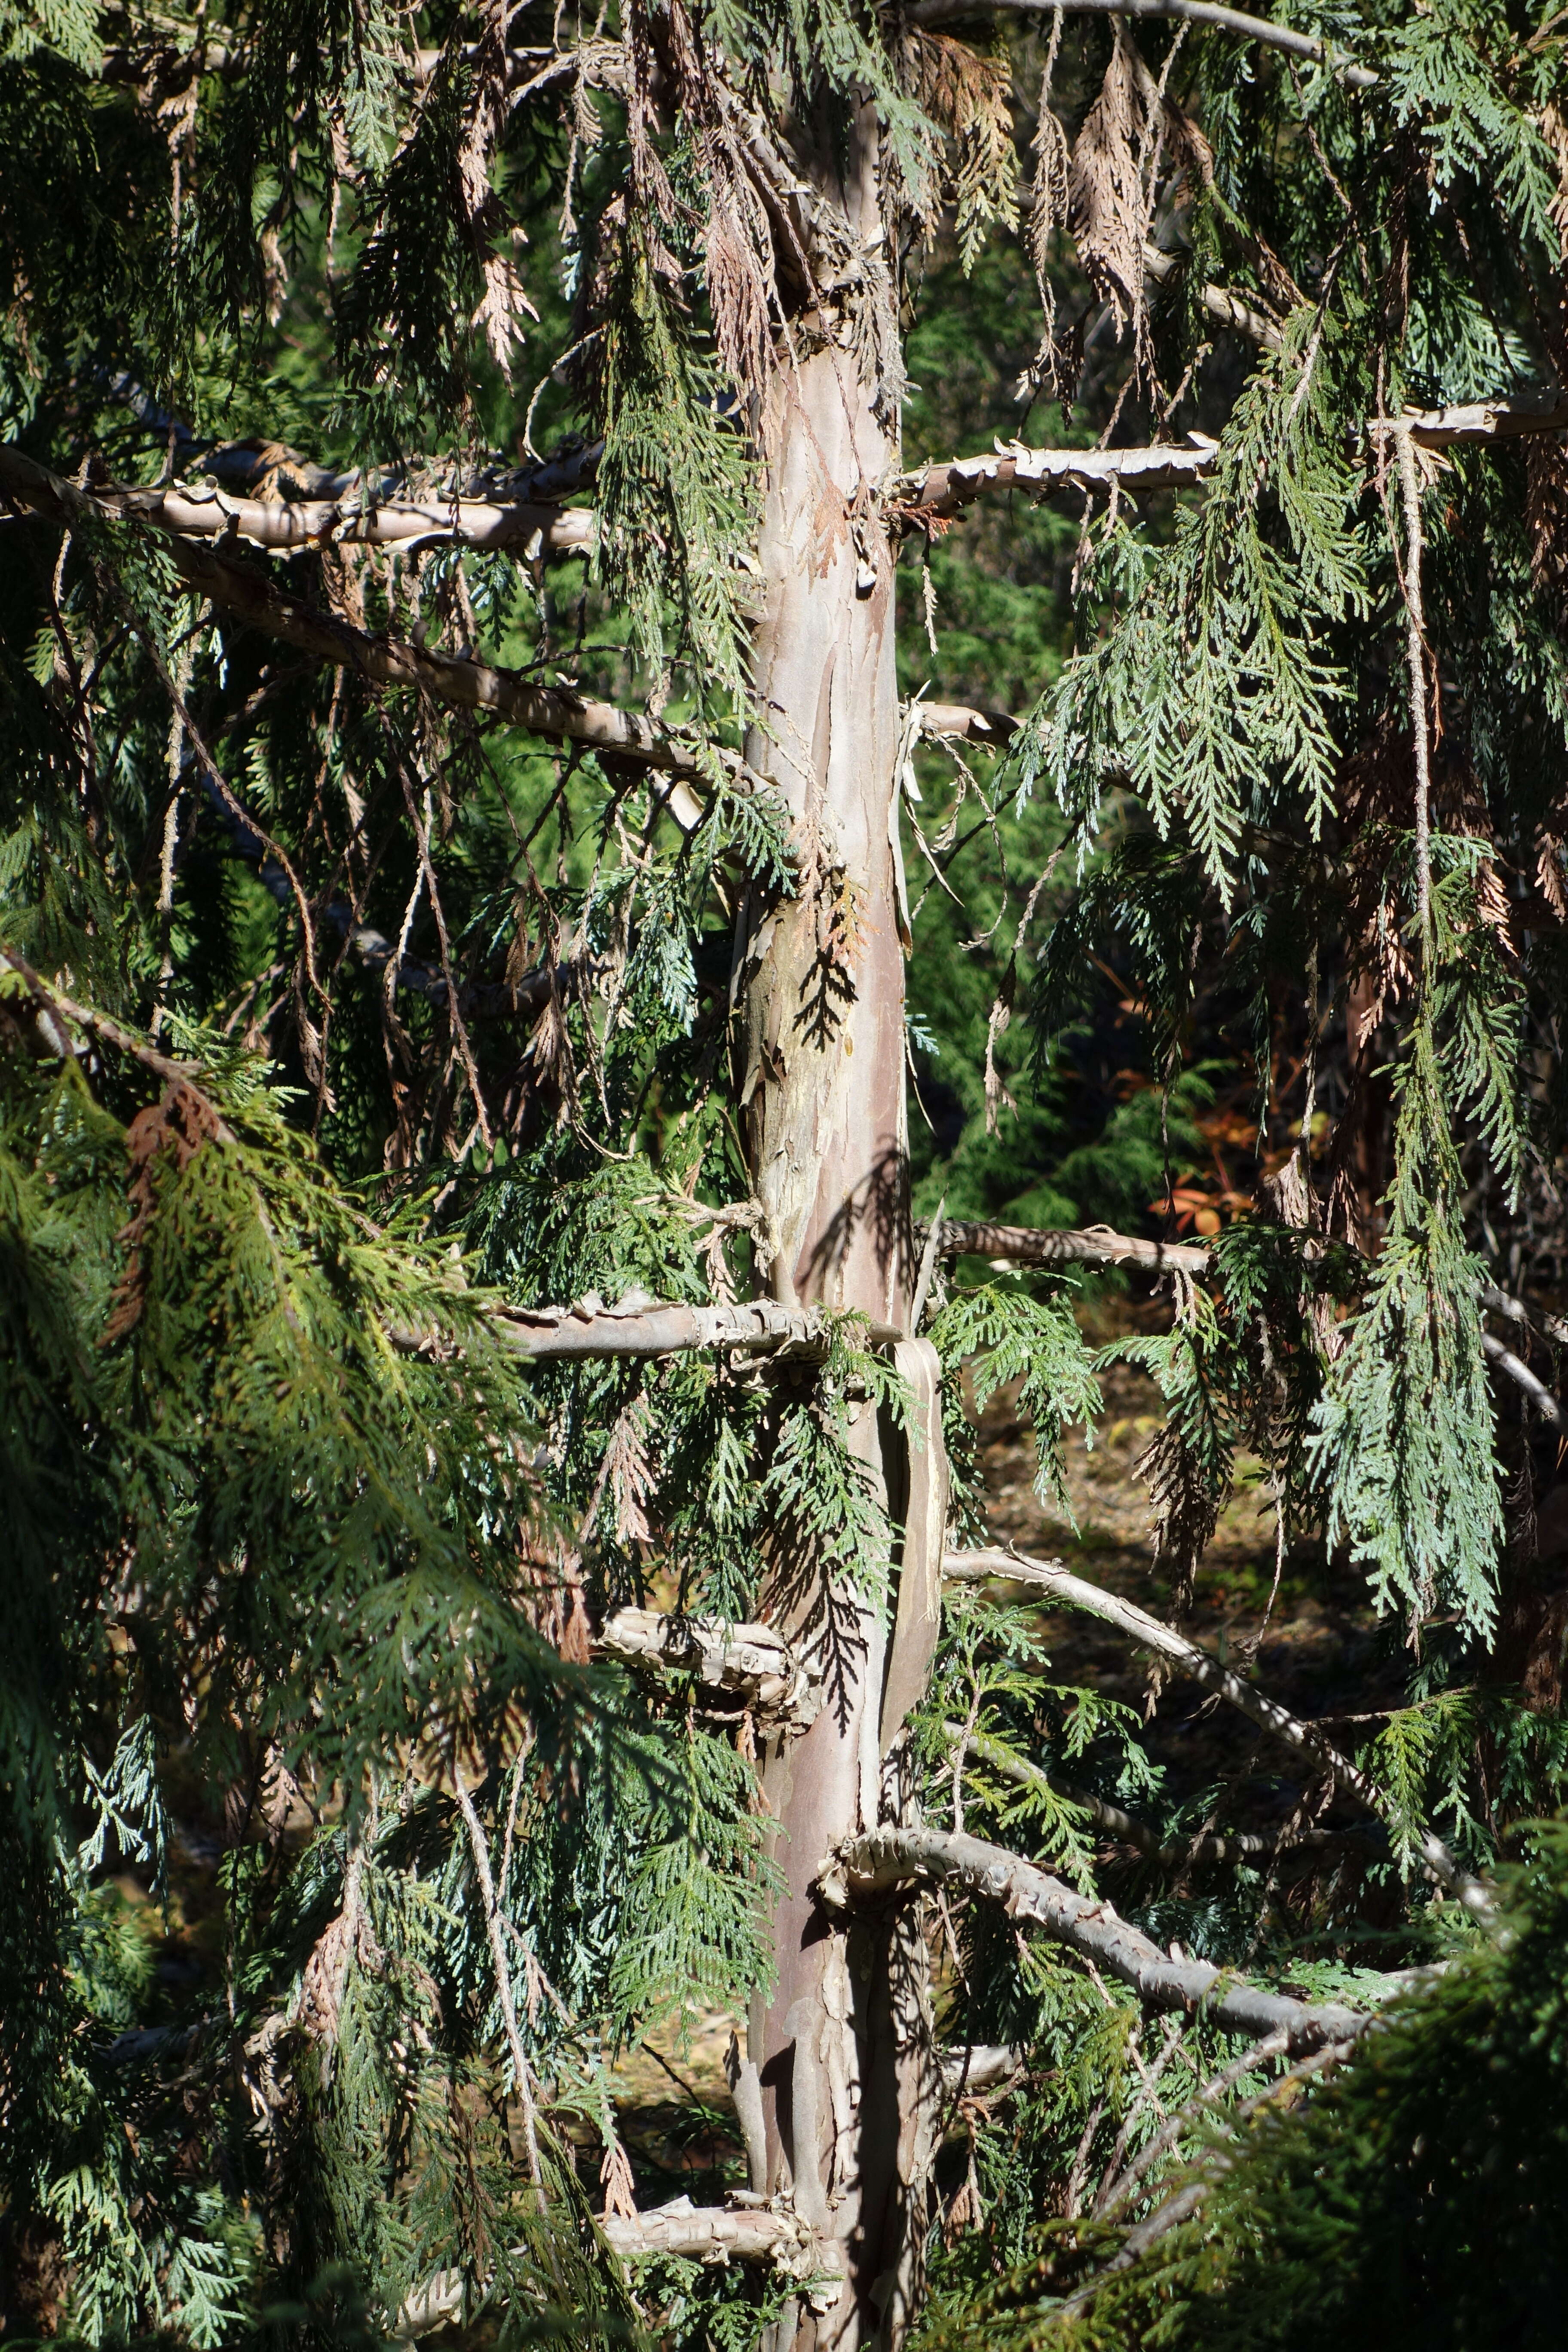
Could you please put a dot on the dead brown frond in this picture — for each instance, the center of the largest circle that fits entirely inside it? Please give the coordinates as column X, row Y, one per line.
column 180, row 1123
column 1105, row 190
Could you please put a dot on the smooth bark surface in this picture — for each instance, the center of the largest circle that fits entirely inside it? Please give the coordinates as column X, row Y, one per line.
column 842, row 2049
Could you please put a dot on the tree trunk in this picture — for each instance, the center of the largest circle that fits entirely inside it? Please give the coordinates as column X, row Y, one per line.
column 844, row 2048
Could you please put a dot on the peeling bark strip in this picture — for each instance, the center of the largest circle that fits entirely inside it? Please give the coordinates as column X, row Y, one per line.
column 294, row 523
column 724, row 2233
column 885, row 1861
column 639, row 1326
column 937, row 491
column 251, row 598
column 743, row 1666
column 1148, row 1633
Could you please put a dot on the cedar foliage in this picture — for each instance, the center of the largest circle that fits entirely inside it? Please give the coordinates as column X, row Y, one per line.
column 331, row 1016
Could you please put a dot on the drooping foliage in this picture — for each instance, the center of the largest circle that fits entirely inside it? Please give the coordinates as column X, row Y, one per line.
column 341, row 1009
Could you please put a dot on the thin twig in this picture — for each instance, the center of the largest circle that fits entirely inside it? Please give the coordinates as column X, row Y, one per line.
column 1416, row 657
column 493, row 1929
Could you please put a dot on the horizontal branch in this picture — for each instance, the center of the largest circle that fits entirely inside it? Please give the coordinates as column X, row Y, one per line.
column 1148, row 1633
column 273, row 470
column 717, row 2235
column 933, row 13
column 250, row 596
column 639, row 1326
column 934, row 491
column 1099, row 1245
column 1067, row 1245
column 750, row 1666
column 862, row 1868
column 982, row 2067
column 1506, row 418
column 722, row 2234
column 295, row 523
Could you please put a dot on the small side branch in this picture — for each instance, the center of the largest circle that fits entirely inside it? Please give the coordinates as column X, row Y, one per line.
column 863, row 1868
column 1236, row 1846
column 1227, row 309
column 933, row 13
column 955, row 720
column 1539, row 1395
column 1148, row 1633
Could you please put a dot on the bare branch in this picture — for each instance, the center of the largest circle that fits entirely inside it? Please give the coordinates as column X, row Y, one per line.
column 1097, row 1245
column 1214, row 2161
column 1228, row 308
column 251, row 598
column 1534, row 1318
column 885, row 1861
column 277, row 523
column 1539, row 1395
column 275, row 470
column 933, row 13
column 1148, row 1633
column 990, row 727
column 639, row 1326
column 493, row 1923
column 981, row 2068
column 724, row 2233
column 1085, row 1245
column 1115, row 2193
column 933, row 491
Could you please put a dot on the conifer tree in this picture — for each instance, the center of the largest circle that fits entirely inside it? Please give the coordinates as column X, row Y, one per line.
column 492, row 1485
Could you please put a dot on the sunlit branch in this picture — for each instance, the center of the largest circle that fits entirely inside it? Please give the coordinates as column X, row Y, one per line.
column 250, row 596
column 933, row 13
column 864, row 1868
column 935, row 491
column 1148, row 1633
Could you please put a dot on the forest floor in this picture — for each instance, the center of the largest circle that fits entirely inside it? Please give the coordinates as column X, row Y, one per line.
column 1320, row 1655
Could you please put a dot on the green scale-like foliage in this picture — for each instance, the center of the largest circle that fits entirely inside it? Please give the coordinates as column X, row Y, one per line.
column 305, row 1562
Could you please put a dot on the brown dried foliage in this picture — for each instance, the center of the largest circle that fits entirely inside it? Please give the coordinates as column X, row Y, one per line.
column 1105, row 187
column 180, row 1122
